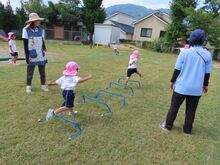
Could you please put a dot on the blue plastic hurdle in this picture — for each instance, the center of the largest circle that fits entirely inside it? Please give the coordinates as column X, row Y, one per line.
column 133, row 81
column 122, row 85
column 77, row 134
column 109, row 111
column 111, row 93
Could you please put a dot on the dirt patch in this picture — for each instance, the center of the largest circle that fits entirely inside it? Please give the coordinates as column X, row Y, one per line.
column 127, row 46
column 216, row 65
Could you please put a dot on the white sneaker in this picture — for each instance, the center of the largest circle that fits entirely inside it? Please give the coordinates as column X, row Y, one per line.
column 28, row 89
column 73, row 113
column 50, row 114
column 44, row 88
column 10, row 61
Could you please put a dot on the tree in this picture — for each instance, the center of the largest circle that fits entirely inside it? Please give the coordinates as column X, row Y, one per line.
column 207, row 18
column 92, row 12
column 212, row 6
column 21, row 17
column 66, row 11
column 36, row 6
column 178, row 26
column 7, row 17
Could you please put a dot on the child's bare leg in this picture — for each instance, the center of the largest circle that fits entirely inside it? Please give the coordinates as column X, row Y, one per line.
column 126, row 80
column 139, row 73
column 62, row 109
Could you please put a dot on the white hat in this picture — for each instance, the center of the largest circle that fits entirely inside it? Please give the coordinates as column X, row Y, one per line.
column 34, row 17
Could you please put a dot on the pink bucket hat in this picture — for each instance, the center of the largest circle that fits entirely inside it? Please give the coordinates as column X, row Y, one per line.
column 71, row 69
column 10, row 34
column 135, row 54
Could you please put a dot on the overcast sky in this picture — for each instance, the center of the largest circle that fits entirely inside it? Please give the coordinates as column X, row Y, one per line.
column 152, row 4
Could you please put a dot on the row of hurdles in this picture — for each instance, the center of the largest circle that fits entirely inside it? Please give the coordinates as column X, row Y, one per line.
column 96, row 99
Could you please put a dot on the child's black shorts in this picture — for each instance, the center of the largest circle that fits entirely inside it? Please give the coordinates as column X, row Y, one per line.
column 131, row 71
column 14, row 54
column 69, row 97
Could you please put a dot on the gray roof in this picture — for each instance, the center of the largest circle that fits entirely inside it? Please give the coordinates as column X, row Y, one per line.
column 126, row 28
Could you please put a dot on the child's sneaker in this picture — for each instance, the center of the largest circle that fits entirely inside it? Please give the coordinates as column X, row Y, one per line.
column 10, row 61
column 28, row 89
column 50, row 114
column 73, row 113
column 44, row 88
column 163, row 126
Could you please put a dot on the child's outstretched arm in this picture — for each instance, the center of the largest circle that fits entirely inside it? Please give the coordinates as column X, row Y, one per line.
column 83, row 79
column 52, row 83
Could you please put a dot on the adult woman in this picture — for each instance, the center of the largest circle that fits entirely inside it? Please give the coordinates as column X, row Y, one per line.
column 34, row 47
column 190, row 79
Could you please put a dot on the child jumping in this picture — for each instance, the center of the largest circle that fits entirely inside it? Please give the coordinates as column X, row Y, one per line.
column 132, row 65
column 115, row 48
column 67, row 83
column 12, row 47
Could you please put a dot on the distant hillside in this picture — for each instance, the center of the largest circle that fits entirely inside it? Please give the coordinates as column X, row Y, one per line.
column 132, row 10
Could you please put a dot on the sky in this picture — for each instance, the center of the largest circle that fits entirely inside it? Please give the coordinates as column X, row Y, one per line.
column 151, row 4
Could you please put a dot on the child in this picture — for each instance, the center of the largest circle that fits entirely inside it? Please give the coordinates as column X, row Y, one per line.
column 132, row 65
column 67, row 82
column 115, row 47
column 12, row 47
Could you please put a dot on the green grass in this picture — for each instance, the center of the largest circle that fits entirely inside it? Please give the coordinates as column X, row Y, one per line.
column 129, row 136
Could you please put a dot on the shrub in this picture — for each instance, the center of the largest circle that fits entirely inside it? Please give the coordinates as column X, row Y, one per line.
column 160, row 45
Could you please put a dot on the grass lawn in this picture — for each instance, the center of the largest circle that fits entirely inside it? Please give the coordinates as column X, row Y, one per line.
column 131, row 135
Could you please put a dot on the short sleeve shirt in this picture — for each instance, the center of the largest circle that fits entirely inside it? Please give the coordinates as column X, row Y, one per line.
column 132, row 63
column 12, row 44
column 68, row 82
column 193, row 64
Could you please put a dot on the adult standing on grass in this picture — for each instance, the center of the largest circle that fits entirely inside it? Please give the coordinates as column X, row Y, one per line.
column 189, row 80
column 34, row 48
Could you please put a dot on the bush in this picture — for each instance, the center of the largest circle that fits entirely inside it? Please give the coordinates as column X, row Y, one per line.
column 160, row 45
column 124, row 41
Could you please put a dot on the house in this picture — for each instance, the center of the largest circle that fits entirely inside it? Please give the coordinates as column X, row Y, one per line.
column 151, row 27
column 115, row 27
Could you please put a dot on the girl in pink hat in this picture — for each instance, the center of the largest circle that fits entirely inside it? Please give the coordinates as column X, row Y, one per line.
column 12, row 47
column 67, row 83
column 132, row 65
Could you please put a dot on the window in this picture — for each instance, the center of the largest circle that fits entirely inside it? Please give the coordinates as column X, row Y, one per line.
column 146, row 32
column 162, row 33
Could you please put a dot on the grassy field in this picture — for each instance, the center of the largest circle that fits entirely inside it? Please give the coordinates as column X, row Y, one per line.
column 131, row 135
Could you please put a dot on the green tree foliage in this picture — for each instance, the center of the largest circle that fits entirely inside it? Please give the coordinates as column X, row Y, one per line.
column 21, row 17
column 7, row 17
column 212, row 6
column 92, row 12
column 207, row 18
column 66, row 11
column 36, row 6
column 178, row 27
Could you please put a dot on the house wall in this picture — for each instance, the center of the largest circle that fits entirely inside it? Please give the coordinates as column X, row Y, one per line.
column 150, row 22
